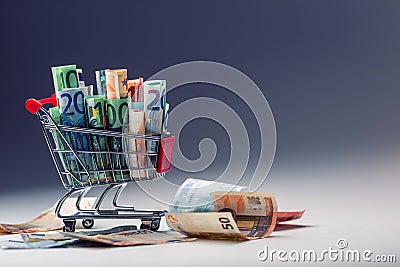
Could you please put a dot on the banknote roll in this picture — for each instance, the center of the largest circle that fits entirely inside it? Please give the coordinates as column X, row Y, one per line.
column 154, row 105
column 60, row 145
column 137, row 146
column 117, row 116
column 81, row 79
column 64, row 77
column 122, row 75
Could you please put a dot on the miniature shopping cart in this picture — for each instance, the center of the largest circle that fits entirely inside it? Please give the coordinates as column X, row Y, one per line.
column 108, row 170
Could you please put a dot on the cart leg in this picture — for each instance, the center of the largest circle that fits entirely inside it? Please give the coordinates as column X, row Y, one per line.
column 152, row 224
column 88, row 223
column 69, row 225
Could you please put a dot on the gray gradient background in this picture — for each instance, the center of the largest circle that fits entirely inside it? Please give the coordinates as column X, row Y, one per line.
column 329, row 69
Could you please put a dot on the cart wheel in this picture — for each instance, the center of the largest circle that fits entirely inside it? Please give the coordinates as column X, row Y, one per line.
column 155, row 224
column 88, row 223
column 69, row 225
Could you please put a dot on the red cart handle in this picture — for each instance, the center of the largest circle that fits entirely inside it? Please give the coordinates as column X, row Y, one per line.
column 32, row 105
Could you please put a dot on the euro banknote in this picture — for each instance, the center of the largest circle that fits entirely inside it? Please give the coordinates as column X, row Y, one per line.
column 137, row 146
column 72, row 109
column 213, row 225
column 87, row 90
column 123, row 236
column 122, row 75
column 64, row 77
column 61, row 145
column 154, row 93
column 286, row 216
column 237, row 216
column 116, row 82
column 97, row 119
column 53, row 235
column 20, row 244
column 255, row 213
column 194, row 195
column 47, row 220
column 39, row 240
column 117, row 115
column 81, row 79
column 135, row 90
column 101, row 82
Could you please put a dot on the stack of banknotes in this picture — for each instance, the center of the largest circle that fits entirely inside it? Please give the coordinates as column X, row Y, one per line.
column 123, row 105
column 201, row 209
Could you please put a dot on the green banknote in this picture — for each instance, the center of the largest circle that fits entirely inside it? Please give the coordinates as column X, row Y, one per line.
column 64, row 77
column 96, row 115
column 118, row 121
column 72, row 111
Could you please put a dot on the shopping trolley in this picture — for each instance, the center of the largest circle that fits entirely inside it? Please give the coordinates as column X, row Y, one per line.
column 110, row 170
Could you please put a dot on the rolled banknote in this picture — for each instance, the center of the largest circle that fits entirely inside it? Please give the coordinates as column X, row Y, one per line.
column 34, row 237
column 285, row 216
column 154, row 105
column 72, row 109
column 194, row 195
column 137, row 146
column 64, row 77
column 101, row 82
column 81, row 79
column 153, row 128
column 47, row 220
column 237, row 216
column 154, row 94
column 87, row 90
column 117, row 115
column 61, row 145
column 154, row 97
column 112, row 85
column 19, row 244
column 97, row 119
column 122, row 82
